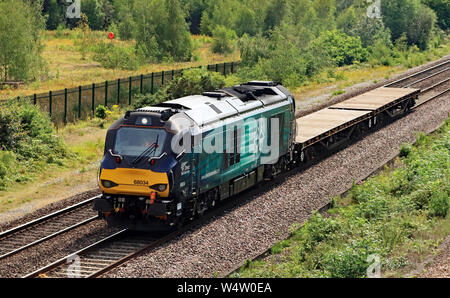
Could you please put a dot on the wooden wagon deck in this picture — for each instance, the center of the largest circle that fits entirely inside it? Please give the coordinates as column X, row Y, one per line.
column 326, row 122
column 345, row 115
column 378, row 99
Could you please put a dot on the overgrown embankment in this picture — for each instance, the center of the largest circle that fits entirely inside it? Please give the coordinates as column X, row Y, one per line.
column 28, row 143
column 399, row 216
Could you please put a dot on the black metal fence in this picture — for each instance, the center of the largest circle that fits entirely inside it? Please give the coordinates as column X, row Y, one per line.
column 69, row 105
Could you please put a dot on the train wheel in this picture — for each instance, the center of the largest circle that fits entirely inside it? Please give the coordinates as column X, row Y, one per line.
column 311, row 155
column 302, row 156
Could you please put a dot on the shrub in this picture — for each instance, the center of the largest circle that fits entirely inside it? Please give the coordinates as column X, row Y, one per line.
column 27, row 141
column 112, row 56
column 193, row 81
column 341, row 48
column 439, row 204
column 405, row 150
column 351, row 261
column 346, row 263
column 318, row 229
column 224, row 40
column 60, row 30
column 421, row 197
column 381, row 53
column 373, row 209
column 100, row 112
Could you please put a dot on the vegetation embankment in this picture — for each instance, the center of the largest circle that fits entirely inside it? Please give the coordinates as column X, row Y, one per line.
column 398, row 218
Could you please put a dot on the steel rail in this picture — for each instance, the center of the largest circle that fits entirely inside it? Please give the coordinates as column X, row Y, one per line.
column 417, row 74
column 38, row 223
column 428, row 77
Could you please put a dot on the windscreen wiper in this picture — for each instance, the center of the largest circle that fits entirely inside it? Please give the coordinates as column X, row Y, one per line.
column 149, row 150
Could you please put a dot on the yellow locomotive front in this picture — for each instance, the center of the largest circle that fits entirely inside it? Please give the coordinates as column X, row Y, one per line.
column 136, row 172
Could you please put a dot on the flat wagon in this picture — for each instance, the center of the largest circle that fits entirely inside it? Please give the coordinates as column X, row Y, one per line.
column 328, row 129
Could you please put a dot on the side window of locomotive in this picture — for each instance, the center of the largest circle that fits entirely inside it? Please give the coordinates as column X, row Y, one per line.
column 237, row 144
column 232, row 148
column 280, row 119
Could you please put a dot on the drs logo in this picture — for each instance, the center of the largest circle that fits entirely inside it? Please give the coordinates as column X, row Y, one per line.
column 141, row 182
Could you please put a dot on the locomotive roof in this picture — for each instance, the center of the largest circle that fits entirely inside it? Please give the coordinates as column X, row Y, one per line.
column 215, row 106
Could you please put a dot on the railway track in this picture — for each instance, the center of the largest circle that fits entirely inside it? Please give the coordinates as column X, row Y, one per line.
column 421, row 76
column 111, row 252
column 434, row 81
column 42, row 229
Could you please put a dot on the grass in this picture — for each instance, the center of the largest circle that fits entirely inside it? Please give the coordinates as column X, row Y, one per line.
column 67, row 68
column 400, row 215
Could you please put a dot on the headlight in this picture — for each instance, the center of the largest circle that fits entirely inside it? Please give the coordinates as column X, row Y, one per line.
column 108, row 184
column 159, row 187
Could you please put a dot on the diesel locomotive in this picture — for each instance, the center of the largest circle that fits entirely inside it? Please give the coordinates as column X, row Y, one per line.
column 168, row 163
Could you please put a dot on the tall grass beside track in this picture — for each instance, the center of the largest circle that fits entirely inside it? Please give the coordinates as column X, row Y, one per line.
column 400, row 215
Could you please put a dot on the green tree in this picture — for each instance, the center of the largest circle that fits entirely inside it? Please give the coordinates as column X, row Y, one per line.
column 354, row 22
column 246, row 22
column 123, row 12
column 224, row 40
column 409, row 17
column 442, row 10
column 54, row 13
column 20, row 44
column 161, row 30
column 341, row 48
column 196, row 9
column 95, row 14
column 275, row 13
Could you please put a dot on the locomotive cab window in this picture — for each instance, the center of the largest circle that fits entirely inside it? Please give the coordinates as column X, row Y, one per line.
column 132, row 141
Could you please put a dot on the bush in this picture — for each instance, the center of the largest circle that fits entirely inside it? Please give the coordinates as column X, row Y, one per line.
column 27, row 142
column 421, row 197
column 439, row 204
column 381, row 54
column 405, row 150
column 192, row 82
column 224, row 40
column 318, row 229
column 350, row 262
column 112, row 56
column 341, row 48
column 100, row 112
column 373, row 209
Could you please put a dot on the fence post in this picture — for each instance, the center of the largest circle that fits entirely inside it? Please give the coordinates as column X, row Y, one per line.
column 93, row 98
column 118, row 91
column 79, row 102
column 153, row 83
column 50, row 99
column 34, row 99
column 232, row 67
column 162, row 78
column 106, row 93
column 142, row 82
column 225, row 69
column 129, row 91
column 173, row 73
column 217, row 67
column 65, row 105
